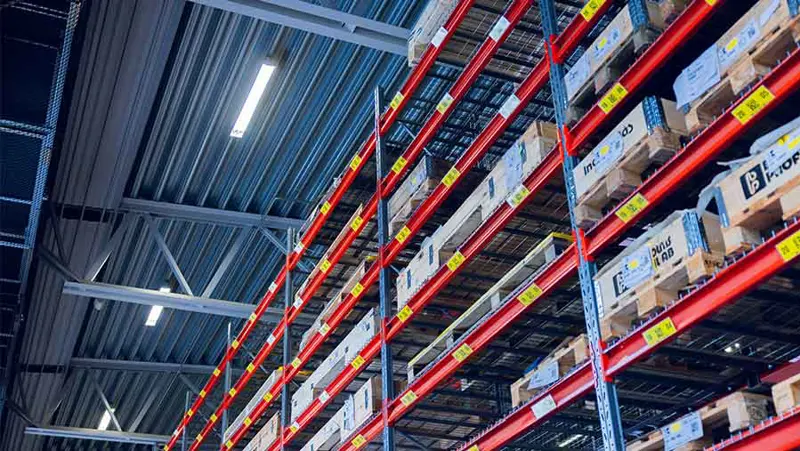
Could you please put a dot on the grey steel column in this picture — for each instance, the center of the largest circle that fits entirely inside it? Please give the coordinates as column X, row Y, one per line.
column 286, row 407
column 606, row 392
column 387, row 383
column 183, row 434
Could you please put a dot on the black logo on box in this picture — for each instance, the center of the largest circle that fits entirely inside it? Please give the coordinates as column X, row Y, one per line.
column 753, row 181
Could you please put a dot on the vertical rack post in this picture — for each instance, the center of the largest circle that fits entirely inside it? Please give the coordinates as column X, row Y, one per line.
column 186, row 407
column 387, row 388
column 287, row 336
column 228, row 374
column 607, row 402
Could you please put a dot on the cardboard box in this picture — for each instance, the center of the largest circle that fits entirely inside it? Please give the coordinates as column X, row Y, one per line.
column 266, row 435
column 679, row 236
column 433, row 17
column 367, row 401
column 620, row 141
column 251, row 405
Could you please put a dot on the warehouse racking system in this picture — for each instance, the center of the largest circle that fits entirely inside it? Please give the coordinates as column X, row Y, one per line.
column 739, row 275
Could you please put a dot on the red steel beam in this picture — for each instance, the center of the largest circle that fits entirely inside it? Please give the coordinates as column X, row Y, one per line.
column 633, row 79
column 473, row 155
column 779, row 433
column 727, row 286
column 367, row 149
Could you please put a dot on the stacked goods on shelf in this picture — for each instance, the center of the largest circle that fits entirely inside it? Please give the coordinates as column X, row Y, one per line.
column 334, row 303
column 501, row 184
column 244, row 415
column 366, row 401
column 746, row 52
column 681, row 250
column 757, row 193
column 539, row 257
column 428, row 28
column 648, row 136
column 697, row 430
column 420, row 182
column 335, row 362
column 569, row 354
column 608, row 57
column 335, row 430
column 786, row 394
column 264, row 437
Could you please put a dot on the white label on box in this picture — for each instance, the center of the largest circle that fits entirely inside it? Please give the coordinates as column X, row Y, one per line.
column 697, row 78
column 605, row 44
column 438, row 38
column 776, row 155
column 682, row 431
column 544, row 375
column 543, row 407
column 511, row 104
column 598, row 297
column 298, row 247
column 767, row 13
column 739, row 44
column 637, row 267
column 608, row 153
column 324, row 397
column 272, row 287
column 577, row 75
column 499, row 28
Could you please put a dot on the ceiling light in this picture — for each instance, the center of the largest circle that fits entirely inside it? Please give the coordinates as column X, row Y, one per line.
column 165, row 289
column 264, row 74
column 569, row 441
column 729, row 349
column 105, row 420
column 152, row 317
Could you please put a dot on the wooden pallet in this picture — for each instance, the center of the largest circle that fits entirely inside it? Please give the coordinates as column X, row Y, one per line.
column 786, row 394
column 603, row 74
column 732, row 413
column 409, row 206
column 662, row 289
column 652, row 150
column 775, row 44
column 783, row 203
column 570, row 353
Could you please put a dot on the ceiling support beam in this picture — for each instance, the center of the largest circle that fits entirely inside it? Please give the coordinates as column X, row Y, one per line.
column 322, row 21
column 207, row 215
column 106, row 404
column 94, row 434
column 175, row 301
column 226, row 262
column 173, row 264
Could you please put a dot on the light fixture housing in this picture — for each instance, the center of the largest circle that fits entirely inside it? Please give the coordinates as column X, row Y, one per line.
column 249, row 107
column 154, row 315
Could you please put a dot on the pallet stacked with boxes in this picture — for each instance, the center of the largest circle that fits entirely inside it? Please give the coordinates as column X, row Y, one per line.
column 245, row 415
column 334, row 363
column 496, row 188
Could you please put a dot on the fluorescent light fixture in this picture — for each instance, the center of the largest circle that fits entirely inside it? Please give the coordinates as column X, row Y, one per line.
column 569, row 441
column 165, row 289
column 105, row 420
column 152, row 317
column 264, row 74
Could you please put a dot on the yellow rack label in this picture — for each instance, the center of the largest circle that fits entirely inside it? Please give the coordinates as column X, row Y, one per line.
column 213, row 417
column 527, row 297
column 355, row 162
column 253, row 317
column 189, row 413
column 325, row 208
column 217, row 372
column 202, row 393
column 199, row 437
column 408, row 398
column 250, row 367
column 445, row 103
column 232, row 392
column 612, row 98
column 235, row 344
column 357, row 289
column 229, row 444
column 325, row 266
column 404, row 313
column 474, row 448
column 753, row 104
column 632, row 208
column 462, row 352
column 396, row 100
column 357, row 221
column 359, row 441
column 294, row 427
column 399, row 165
column 324, row 328
column 789, row 248
column 296, row 362
column 590, row 9
column 660, row 332
column 518, row 196
column 403, row 234
column 357, row 362
column 451, row 176
column 248, row 421
column 711, row 2
column 268, row 397
column 455, row 261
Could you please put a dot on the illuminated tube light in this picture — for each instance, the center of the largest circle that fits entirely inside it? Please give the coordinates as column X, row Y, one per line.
column 264, row 74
